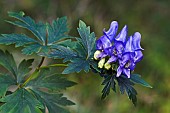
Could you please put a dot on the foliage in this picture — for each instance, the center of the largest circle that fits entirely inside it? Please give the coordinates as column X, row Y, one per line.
column 39, row 88
column 42, row 90
column 46, row 35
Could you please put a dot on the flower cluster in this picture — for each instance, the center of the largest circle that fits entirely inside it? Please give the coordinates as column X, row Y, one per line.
column 121, row 50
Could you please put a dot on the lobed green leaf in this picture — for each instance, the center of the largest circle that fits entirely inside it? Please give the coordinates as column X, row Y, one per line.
column 8, row 62
column 46, row 88
column 137, row 79
column 46, row 35
column 23, row 69
column 6, row 80
column 19, row 102
column 126, row 85
column 53, row 101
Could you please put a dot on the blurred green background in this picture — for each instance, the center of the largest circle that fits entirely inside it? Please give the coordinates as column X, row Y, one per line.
column 150, row 17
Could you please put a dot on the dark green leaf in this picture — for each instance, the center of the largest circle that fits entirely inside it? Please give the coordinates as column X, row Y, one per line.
column 126, row 85
column 5, row 81
column 81, row 54
column 109, row 83
column 24, row 69
column 137, row 79
column 77, row 65
column 19, row 102
column 46, row 35
column 30, row 49
column 63, row 52
column 50, row 81
column 87, row 38
column 68, row 43
column 57, row 30
column 7, row 61
column 53, row 101
column 18, row 39
column 39, row 29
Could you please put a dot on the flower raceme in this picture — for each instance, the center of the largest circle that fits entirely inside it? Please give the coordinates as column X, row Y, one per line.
column 121, row 50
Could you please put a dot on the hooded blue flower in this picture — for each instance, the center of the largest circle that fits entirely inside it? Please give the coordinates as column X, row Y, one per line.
column 117, row 49
column 131, row 55
column 105, row 42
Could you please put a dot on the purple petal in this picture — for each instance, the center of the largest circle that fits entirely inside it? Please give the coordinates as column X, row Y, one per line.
column 112, row 59
column 119, row 71
column 129, row 46
column 136, row 41
column 119, row 48
column 99, row 45
column 138, row 56
column 112, row 31
column 121, row 37
column 126, row 72
column 124, row 60
column 108, row 51
column 103, row 42
column 132, row 66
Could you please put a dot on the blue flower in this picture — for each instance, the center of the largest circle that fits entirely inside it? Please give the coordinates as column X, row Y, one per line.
column 118, row 50
column 131, row 55
column 105, row 42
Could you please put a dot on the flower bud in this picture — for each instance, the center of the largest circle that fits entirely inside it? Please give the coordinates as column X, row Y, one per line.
column 96, row 54
column 107, row 66
column 101, row 63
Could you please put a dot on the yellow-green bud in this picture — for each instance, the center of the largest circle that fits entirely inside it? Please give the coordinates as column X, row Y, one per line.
column 101, row 63
column 107, row 66
column 96, row 54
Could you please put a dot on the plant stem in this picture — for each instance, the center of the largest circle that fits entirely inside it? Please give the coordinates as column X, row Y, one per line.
column 41, row 62
column 53, row 65
column 30, row 77
column 34, row 73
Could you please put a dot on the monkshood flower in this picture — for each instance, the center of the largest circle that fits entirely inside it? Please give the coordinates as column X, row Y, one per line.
column 119, row 50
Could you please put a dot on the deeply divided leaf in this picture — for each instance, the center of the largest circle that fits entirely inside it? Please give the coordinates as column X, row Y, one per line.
column 137, row 79
column 87, row 39
column 8, row 62
column 46, row 35
column 46, row 88
column 53, row 101
column 80, row 54
column 108, row 83
column 6, row 80
column 23, row 69
column 20, row 101
column 50, row 81
column 126, row 85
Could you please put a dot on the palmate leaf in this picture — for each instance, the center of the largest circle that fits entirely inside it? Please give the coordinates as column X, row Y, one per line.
column 50, row 97
column 109, row 82
column 46, row 35
column 16, row 73
column 23, row 69
column 126, row 85
column 137, row 79
column 20, row 101
column 6, row 80
column 87, row 39
column 42, row 91
column 7, row 61
column 53, row 101
column 81, row 54
column 51, row 81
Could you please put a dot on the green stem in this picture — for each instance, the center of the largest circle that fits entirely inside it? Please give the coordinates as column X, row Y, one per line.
column 53, row 65
column 30, row 77
column 34, row 73
column 41, row 62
